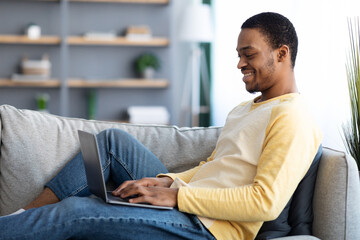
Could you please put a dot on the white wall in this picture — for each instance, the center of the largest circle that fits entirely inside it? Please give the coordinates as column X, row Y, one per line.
column 320, row 67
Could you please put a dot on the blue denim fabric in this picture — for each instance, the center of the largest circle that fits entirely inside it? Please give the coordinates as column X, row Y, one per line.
column 79, row 216
column 122, row 158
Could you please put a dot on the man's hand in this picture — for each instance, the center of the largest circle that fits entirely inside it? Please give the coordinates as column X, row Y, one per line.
column 154, row 191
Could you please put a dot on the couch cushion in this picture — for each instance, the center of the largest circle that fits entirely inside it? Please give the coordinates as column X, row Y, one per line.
column 337, row 197
column 279, row 227
column 301, row 209
column 297, row 216
column 35, row 146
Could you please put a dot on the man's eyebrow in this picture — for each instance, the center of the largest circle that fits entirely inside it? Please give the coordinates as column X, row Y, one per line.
column 244, row 48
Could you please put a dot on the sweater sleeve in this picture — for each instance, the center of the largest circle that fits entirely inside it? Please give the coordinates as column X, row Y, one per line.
column 187, row 175
column 291, row 142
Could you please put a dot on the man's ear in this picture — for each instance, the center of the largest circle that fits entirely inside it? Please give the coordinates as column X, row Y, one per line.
column 283, row 53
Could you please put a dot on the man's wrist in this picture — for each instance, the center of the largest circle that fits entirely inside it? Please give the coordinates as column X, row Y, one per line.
column 167, row 180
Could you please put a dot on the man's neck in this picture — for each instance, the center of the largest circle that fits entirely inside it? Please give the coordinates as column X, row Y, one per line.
column 284, row 87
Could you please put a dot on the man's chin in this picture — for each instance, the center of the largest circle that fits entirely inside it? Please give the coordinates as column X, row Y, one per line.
column 252, row 91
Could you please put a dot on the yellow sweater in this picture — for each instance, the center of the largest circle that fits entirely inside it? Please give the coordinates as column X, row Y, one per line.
column 263, row 152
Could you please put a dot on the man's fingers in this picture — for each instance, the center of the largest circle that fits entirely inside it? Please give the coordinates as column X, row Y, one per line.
column 133, row 189
column 149, row 197
column 125, row 184
column 155, row 196
column 146, row 182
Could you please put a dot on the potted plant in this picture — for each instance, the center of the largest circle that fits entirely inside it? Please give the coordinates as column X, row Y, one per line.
column 42, row 100
column 146, row 65
column 351, row 130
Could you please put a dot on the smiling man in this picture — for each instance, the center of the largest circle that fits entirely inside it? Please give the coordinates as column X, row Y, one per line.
column 263, row 152
column 267, row 52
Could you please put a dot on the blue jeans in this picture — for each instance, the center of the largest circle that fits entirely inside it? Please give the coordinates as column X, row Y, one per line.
column 78, row 216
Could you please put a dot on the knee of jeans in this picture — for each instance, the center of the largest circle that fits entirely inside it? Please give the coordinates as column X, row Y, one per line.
column 111, row 132
column 117, row 135
column 76, row 206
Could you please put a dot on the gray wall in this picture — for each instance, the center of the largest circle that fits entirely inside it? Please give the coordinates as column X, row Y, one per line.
column 93, row 61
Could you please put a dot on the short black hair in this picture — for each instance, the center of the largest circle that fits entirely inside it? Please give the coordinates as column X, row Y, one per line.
column 277, row 29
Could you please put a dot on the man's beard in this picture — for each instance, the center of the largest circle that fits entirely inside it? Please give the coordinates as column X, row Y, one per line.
column 270, row 69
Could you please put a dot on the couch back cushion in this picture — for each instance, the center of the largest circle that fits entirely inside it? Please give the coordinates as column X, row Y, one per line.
column 35, row 146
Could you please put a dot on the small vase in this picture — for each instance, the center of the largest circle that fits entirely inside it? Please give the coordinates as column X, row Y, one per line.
column 148, row 73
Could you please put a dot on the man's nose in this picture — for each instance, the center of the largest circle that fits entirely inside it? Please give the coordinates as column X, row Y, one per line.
column 242, row 63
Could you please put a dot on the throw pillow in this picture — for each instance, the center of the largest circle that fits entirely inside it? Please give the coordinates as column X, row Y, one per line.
column 297, row 216
column 301, row 210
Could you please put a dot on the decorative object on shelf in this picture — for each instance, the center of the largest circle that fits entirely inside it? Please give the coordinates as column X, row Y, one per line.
column 195, row 28
column 92, row 104
column 42, row 101
column 33, row 31
column 95, row 35
column 138, row 33
column 146, row 65
column 148, row 115
column 34, row 70
column 36, row 67
column 351, row 130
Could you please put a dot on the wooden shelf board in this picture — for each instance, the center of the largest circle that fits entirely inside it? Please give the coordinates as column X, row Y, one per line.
column 23, row 39
column 118, row 83
column 80, row 83
column 125, row 1
column 156, row 41
column 41, row 83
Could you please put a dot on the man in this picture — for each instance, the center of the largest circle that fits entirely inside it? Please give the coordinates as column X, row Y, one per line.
column 265, row 149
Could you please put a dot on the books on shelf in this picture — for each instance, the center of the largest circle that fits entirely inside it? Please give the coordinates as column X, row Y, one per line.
column 148, row 115
column 33, row 70
column 138, row 33
column 110, row 36
column 36, row 67
column 26, row 77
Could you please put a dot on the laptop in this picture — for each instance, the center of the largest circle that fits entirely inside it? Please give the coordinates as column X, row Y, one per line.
column 94, row 174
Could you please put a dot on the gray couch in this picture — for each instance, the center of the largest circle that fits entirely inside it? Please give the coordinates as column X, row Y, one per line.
column 35, row 146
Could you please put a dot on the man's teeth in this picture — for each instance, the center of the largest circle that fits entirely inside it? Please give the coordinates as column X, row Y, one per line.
column 248, row 74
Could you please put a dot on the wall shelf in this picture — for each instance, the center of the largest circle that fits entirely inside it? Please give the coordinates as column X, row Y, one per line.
column 80, row 83
column 75, row 40
column 81, row 64
column 22, row 39
column 51, row 83
column 119, row 83
column 113, row 1
column 125, row 1
column 79, row 40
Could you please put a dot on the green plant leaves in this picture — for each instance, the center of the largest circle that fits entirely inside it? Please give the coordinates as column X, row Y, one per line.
column 146, row 60
column 352, row 128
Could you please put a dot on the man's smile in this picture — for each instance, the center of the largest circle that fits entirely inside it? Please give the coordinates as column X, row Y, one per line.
column 248, row 76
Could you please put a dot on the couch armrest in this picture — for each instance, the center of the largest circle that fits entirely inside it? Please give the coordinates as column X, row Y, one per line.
column 337, row 197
